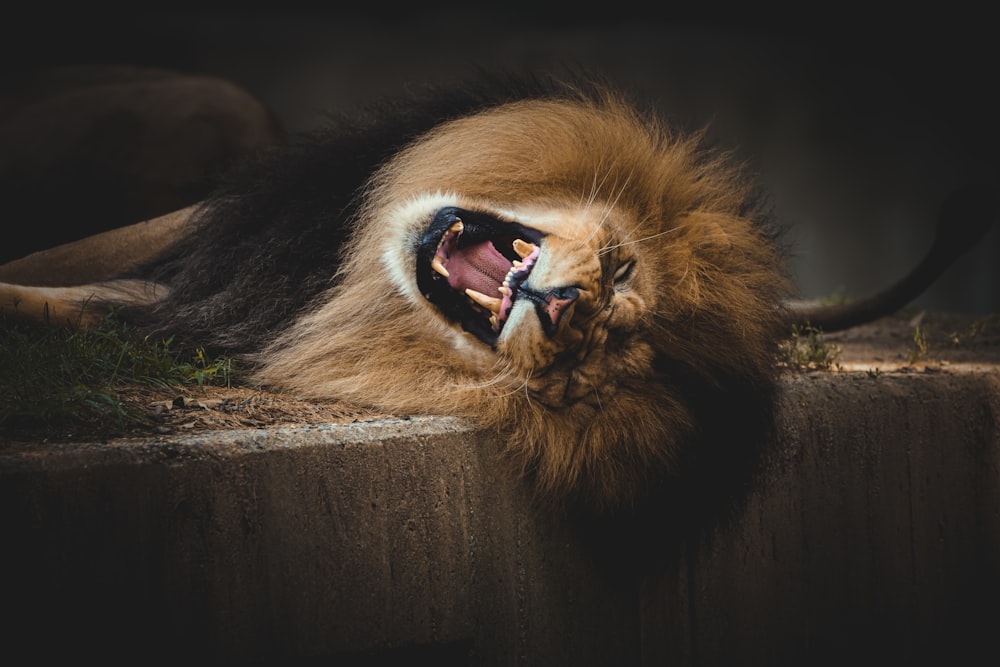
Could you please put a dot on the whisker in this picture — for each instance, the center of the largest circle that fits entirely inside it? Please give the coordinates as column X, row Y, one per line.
column 611, row 204
column 597, row 397
column 513, row 390
column 498, row 378
column 524, row 386
column 606, row 249
column 588, row 200
column 595, row 187
column 501, row 378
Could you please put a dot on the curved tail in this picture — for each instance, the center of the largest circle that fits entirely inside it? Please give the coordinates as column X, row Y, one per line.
column 965, row 217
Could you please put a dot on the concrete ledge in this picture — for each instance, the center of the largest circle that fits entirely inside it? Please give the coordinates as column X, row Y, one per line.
column 872, row 535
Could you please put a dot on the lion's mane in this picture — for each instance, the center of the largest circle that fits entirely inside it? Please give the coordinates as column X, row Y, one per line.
column 293, row 264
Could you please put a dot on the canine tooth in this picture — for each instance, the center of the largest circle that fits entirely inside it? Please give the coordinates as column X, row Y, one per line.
column 456, row 227
column 503, row 289
column 490, row 302
column 438, row 266
column 523, row 248
column 494, row 322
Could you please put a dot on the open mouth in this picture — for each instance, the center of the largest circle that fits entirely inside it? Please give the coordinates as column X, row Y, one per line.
column 472, row 266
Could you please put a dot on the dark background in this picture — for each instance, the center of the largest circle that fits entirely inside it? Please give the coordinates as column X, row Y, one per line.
column 859, row 119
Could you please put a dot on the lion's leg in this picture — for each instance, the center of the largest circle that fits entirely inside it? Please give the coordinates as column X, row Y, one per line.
column 97, row 257
column 73, row 285
column 80, row 305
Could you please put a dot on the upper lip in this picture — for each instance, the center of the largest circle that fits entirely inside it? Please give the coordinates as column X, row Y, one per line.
column 471, row 265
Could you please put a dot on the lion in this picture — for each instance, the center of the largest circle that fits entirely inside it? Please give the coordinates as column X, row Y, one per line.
column 545, row 259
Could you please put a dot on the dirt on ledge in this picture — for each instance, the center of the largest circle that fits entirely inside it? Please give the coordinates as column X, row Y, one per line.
column 919, row 340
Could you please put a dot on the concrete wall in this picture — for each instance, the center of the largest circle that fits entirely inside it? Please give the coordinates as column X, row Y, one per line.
column 871, row 536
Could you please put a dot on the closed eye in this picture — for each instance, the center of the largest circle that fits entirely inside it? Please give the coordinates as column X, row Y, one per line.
column 623, row 272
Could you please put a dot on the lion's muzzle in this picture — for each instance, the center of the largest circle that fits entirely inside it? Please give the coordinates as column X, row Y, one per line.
column 551, row 306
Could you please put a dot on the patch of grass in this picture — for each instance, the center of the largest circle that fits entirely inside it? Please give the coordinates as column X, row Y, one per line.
column 974, row 329
column 921, row 346
column 57, row 377
column 806, row 350
column 929, row 338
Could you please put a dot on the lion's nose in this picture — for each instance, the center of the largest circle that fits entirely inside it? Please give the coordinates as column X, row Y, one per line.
column 552, row 305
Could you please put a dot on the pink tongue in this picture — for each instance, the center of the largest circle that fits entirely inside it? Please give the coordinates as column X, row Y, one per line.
column 480, row 267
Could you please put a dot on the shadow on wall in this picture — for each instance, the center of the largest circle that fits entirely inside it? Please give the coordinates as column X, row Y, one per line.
column 860, row 131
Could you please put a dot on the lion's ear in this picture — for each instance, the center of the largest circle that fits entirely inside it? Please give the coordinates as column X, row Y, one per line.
column 708, row 232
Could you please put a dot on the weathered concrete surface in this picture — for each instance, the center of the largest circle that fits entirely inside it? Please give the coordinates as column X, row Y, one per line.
column 871, row 536
column 341, row 539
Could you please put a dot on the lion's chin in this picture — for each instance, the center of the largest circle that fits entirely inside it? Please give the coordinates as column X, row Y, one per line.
column 527, row 344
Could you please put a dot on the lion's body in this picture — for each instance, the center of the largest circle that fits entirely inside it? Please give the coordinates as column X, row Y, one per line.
column 651, row 299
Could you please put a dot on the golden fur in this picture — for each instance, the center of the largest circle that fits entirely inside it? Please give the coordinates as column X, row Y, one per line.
column 586, row 412
column 676, row 285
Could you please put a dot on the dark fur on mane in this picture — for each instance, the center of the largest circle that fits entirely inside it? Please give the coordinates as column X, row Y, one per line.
column 268, row 241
